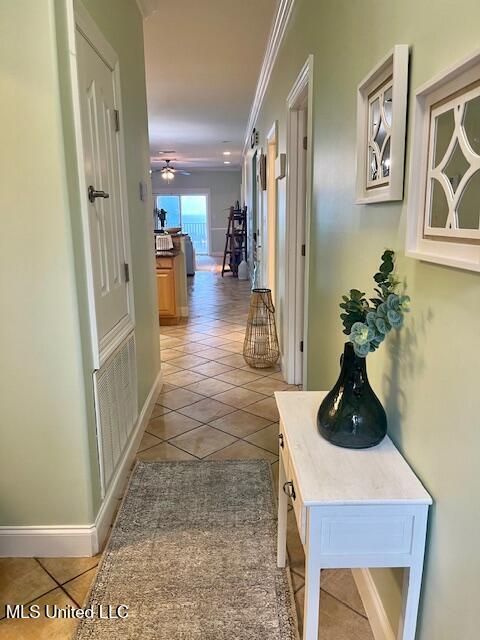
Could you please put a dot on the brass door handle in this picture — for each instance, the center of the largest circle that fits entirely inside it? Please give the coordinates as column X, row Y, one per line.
column 95, row 193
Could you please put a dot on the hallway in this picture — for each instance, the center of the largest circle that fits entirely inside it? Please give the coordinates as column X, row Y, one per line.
column 214, row 406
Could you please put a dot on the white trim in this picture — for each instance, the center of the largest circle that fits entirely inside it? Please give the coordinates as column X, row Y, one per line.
column 281, row 166
column 269, row 230
column 394, row 64
column 114, row 339
column 292, row 313
column 462, row 255
column 79, row 18
column 79, row 540
column 275, row 39
column 186, row 191
column 88, row 27
column 377, row 616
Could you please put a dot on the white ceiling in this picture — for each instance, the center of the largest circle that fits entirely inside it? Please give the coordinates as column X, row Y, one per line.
column 203, row 59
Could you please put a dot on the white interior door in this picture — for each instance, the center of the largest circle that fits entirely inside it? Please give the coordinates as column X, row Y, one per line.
column 106, row 215
column 300, row 244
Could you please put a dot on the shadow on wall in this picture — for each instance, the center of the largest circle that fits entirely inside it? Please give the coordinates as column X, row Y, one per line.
column 406, row 363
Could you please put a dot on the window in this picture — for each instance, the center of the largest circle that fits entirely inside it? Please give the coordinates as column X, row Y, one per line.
column 443, row 217
column 189, row 212
column 381, row 119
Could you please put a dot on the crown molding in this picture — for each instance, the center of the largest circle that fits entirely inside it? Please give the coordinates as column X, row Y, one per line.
column 275, row 39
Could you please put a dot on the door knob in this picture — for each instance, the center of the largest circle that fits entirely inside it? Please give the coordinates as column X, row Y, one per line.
column 289, row 489
column 94, row 193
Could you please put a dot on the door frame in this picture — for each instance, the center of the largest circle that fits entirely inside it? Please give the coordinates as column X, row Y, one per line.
column 269, row 234
column 249, row 177
column 79, row 18
column 184, row 191
column 295, row 326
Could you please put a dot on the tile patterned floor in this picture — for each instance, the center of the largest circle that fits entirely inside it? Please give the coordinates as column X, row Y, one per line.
column 212, row 406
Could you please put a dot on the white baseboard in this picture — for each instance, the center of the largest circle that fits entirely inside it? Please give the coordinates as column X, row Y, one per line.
column 47, row 541
column 377, row 616
column 80, row 540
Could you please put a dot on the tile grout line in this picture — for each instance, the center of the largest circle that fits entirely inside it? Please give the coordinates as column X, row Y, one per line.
column 209, row 424
column 42, row 595
column 58, row 583
column 245, row 408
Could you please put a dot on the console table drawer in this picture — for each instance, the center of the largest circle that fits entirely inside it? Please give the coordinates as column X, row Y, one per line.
column 293, row 490
column 283, row 447
column 367, row 534
column 298, row 505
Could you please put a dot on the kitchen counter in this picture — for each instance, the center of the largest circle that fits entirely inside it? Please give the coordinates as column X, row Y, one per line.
column 170, row 253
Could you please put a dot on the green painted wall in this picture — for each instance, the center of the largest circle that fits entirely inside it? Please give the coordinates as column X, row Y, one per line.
column 427, row 375
column 44, row 461
column 48, row 460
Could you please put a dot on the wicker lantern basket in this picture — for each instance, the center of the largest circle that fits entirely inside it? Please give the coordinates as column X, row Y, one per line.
column 260, row 348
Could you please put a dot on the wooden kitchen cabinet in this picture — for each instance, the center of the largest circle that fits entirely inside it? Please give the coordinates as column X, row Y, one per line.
column 166, row 290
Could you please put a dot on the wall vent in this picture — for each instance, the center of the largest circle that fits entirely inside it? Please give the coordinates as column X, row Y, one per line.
column 115, row 387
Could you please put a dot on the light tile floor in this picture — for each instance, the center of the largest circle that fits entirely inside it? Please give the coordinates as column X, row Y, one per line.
column 212, row 406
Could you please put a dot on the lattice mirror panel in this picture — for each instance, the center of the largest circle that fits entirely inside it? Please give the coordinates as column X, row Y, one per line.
column 381, row 120
column 443, row 214
column 453, row 178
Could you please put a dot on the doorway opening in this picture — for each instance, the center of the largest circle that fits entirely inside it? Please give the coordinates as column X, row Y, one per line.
column 299, row 157
column 189, row 212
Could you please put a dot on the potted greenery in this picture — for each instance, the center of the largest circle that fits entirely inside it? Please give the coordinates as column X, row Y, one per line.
column 351, row 415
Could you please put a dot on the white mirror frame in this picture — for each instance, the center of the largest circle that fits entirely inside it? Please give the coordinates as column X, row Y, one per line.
column 464, row 252
column 394, row 66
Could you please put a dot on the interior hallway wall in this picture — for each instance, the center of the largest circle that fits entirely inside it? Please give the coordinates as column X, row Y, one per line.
column 224, row 187
column 427, row 374
column 125, row 35
column 44, row 457
column 49, row 467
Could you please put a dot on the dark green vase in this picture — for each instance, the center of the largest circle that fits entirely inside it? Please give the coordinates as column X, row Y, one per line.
column 351, row 415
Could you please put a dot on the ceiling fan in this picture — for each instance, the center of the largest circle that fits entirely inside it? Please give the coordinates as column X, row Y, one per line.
column 168, row 172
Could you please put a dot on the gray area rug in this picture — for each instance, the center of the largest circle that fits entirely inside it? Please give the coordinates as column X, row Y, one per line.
column 192, row 554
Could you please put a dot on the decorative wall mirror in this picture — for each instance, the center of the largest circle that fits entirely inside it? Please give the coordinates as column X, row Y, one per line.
column 444, row 202
column 381, row 118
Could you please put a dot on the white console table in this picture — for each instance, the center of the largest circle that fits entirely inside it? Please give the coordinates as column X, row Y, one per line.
column 354, row 508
